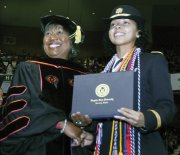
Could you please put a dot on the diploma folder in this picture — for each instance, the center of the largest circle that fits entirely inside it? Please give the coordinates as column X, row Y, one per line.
column 99, row 95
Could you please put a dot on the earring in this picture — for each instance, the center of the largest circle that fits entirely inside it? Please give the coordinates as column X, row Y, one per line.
column 137, row 36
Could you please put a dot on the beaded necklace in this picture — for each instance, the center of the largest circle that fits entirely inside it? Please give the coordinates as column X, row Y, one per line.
column 127, row 64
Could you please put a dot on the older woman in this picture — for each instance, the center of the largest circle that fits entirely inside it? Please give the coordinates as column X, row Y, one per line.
column 35, row 117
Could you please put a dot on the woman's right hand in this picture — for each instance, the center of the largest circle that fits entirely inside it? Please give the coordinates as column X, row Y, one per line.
column 70, row 130
column 86, row 138
column 80, row 119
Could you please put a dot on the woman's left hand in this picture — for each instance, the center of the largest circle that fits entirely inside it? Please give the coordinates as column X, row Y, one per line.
column 135, row 118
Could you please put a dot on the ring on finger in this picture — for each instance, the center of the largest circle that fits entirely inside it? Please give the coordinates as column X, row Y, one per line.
column 78, row 122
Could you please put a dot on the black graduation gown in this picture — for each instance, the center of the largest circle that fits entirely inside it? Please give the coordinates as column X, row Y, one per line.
column 39, row 97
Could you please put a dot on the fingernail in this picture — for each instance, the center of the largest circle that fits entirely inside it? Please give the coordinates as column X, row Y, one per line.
column 119, row 110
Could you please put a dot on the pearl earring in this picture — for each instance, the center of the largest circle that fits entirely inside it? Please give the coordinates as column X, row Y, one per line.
column 137, row 36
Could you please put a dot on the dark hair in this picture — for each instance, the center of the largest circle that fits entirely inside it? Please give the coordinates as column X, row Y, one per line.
column 144, row 41
column 54, row 25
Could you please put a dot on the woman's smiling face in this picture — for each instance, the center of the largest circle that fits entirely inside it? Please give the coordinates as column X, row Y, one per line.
column 56, row 42
column 123, row 31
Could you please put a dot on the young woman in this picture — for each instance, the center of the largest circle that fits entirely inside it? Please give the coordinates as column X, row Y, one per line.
column 35, row 116
column 135, row 131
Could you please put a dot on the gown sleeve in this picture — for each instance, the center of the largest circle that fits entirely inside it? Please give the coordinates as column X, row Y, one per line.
column 161, row 108
column 27, row 119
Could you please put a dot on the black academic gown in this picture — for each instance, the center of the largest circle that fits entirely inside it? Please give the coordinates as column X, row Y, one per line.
column 39, row 97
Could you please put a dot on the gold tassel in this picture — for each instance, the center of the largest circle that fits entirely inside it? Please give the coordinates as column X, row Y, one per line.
column 78, row 34
column 112, row 136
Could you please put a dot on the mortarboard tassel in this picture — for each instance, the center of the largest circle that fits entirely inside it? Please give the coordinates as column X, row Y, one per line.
column 78, row 35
